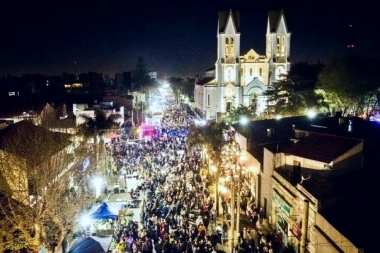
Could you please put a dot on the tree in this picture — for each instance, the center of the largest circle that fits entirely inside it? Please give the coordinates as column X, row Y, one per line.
column 90, row 129
column 236, row 113
column 295, row 94
column 37, row 207
column 212, row 137
column 92, row 125
column 141, row 85
column 218, row 140
column 182, row 86
column 140, row 76
column 349, row 85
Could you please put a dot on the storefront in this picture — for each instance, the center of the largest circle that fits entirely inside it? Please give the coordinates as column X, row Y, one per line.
column 282, row 215
column 250, row 175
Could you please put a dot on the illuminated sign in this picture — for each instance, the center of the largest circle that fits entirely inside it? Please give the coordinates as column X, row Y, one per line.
column 281, row 204
column 296, row 231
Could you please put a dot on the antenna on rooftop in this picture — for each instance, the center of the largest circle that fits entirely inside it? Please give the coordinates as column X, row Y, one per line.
column 304, row 178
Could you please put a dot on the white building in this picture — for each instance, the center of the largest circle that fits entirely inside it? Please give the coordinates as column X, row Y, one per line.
column 242, row 79
column 107, row 107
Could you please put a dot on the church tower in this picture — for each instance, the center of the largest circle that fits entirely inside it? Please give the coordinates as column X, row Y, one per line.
column 278, row 45
column 227, row 65
column 242, row 79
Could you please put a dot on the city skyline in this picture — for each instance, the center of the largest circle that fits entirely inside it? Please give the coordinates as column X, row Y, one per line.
column 174, row 40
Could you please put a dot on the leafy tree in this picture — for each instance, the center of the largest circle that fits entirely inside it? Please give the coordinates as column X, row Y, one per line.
column 349, row 85
column 182, row 86
column 142, row 86
column 236, row 113
column 218, row 140
column 37, row 207
column 295, row 94
column 213, row 137
column 92, row 126
column 90, row 129
column 140, row 76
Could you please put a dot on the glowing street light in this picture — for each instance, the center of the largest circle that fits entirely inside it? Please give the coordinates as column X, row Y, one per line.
column 97, row 182
column 244, row 120
column 311, row 113
column 84, row 220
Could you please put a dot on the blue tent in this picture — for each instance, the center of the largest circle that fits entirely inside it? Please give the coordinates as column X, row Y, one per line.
column 105, row 212
column 87, row 245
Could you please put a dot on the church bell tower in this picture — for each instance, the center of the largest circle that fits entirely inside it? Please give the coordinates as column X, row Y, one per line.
column 228, row 63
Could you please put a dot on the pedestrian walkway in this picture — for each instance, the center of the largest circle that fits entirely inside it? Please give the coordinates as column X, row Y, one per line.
column 247, row 227
column 178, row 210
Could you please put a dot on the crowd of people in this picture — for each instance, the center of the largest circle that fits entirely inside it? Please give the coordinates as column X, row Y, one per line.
column 178, row 212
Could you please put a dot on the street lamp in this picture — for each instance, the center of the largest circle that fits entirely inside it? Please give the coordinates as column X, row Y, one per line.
column 214, row 170
column 97, row 184
column 235, row 169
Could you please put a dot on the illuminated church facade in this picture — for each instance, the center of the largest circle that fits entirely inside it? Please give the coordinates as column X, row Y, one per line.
column 242, row 79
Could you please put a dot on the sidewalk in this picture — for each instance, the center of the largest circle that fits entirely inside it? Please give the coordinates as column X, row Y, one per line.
column 247, row 227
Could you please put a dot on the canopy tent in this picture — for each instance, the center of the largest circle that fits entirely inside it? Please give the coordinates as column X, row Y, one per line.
column 105, row 212
column 90, row 245
column 115, row 207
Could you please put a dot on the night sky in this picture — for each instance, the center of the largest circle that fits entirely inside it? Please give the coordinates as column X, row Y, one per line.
column 175, row 38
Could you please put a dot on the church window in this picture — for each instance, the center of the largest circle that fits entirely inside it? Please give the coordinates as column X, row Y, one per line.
column 250, row 71
column 260, row 71
column 283, row 46
column 229, row 47
column 241, row 72
column 208, row 99
column 280, row 46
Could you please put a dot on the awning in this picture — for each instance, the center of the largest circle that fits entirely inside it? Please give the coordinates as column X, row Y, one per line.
column 112, row 135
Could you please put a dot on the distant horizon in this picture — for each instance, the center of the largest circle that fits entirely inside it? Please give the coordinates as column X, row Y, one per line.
column 174, row 40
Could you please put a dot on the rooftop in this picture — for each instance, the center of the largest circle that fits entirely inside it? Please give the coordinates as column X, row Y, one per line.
column 338, row 197
column 322, row 147
column 31, row 142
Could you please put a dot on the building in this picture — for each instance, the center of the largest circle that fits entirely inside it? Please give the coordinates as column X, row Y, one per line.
column 242, row 79
column 153, row 75
column 27, row 148
column 324, row 165
column 123, row 81
column 315, row 169
column 108, row 108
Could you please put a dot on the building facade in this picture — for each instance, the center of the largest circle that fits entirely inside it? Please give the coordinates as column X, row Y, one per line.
column 304, row 183
column 242, row 79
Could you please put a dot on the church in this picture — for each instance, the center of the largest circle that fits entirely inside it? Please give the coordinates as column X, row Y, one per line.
column 242, row 79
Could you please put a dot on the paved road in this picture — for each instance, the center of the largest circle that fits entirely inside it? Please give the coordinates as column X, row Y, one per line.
column 124, row 196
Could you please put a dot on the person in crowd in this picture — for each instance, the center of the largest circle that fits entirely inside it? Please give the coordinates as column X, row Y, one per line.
column 177, row 210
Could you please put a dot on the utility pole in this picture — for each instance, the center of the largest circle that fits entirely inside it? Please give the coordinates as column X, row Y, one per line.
column 304, row 226
column 232, row 228
column 238, row 205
